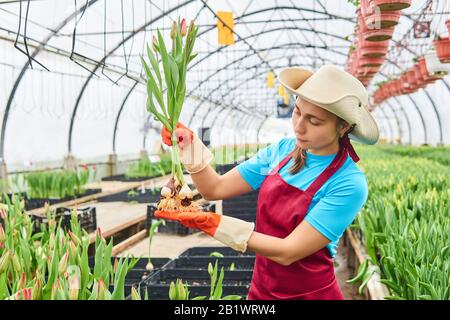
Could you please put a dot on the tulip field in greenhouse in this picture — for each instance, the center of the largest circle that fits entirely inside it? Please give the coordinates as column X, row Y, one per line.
column 237, row 151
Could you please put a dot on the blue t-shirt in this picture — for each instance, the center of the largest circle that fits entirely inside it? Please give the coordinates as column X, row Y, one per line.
column 334, row 206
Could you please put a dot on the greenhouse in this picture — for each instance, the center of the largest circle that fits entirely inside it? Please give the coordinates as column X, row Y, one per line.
column 225, row 150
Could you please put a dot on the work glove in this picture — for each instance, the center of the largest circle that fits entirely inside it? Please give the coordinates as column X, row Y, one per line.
column 194, row 155
column 232, row 232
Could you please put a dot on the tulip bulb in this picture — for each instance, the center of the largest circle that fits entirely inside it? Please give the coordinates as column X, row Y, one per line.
column 166, row 192
column 185, row 192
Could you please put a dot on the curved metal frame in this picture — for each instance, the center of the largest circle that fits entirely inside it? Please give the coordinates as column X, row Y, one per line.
column 83, row 88
column 425, row 133
column 408, row 123
column 119, row 113
column 25, row 68
column 397, row 120
column 91, row 2
column 391, row 131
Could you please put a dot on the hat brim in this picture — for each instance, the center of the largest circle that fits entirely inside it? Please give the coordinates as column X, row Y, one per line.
column 366, row 130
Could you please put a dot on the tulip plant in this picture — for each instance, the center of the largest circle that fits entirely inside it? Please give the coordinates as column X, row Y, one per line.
column 171, row 66
column 405, row 223
column 180, row 291
column 53, row 264
column 145, row 168
column 54, row 184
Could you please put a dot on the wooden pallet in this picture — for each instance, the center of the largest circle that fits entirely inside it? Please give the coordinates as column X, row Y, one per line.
column 375, row 290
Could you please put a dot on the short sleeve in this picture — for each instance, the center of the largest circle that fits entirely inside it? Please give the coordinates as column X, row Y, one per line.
column 255, row 169
column 339, row 207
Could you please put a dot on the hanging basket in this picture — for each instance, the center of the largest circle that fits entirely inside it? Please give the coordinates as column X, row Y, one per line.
column 365, row 71
column 373, row 52
column 390, row 5
column 372, row 49
column 448, row 25
column 411, row 77
column 435, row 66
column 442, row 47
column 398, row 85
column 426, row 75
column 370, row 62
column 382, row 20
column 421, row 83
column 378, row 34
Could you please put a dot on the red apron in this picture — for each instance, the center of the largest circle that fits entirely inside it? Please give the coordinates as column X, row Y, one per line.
column 281, row 208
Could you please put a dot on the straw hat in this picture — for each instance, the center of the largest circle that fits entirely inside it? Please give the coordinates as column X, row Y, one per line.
column 338, row 92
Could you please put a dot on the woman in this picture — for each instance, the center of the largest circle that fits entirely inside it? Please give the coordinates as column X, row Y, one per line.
column 310, row 187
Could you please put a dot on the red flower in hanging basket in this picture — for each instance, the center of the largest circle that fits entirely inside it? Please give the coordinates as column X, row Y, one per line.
column 442, row 46
column 390, row 5
column 378, row 34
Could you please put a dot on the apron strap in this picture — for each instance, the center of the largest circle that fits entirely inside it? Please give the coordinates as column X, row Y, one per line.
column 282, row 163
column 345, row 149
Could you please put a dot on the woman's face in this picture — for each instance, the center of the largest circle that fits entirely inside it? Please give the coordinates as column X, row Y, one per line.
column 315, row 127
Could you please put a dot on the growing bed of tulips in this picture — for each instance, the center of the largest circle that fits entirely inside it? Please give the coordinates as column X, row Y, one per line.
column 405, row 224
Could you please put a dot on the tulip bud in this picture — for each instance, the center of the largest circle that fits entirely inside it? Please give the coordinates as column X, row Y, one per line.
column 23, row 280
column 172, row 291
column 135, row 294
column 16, row 263
column 2, row 234
column 3, row 213
column 73, row 251
column 74, row 238
column 4, row 260
column 62, row 266
column 173, row 31
column 51, row 243
column 74, row 282
column 182, row 292
column 183, row 27
column 99, row 233
column 101, row 290
column 53, row 294
column 36, row 291
column 116, row 265
column 22, row 204
column 74, row 215
column 210, row 269
column 24, row 294
column 52, row 224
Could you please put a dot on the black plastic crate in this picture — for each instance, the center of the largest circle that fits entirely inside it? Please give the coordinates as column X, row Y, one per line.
column 206, row 251
column 146, row 197
column 161, row 291
column 224, row 168
column 123, row 178
column 87, row 218
column 158, row 262
column 31, row 204
column 201, row 262
column 190, row 276
column 173, row 227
